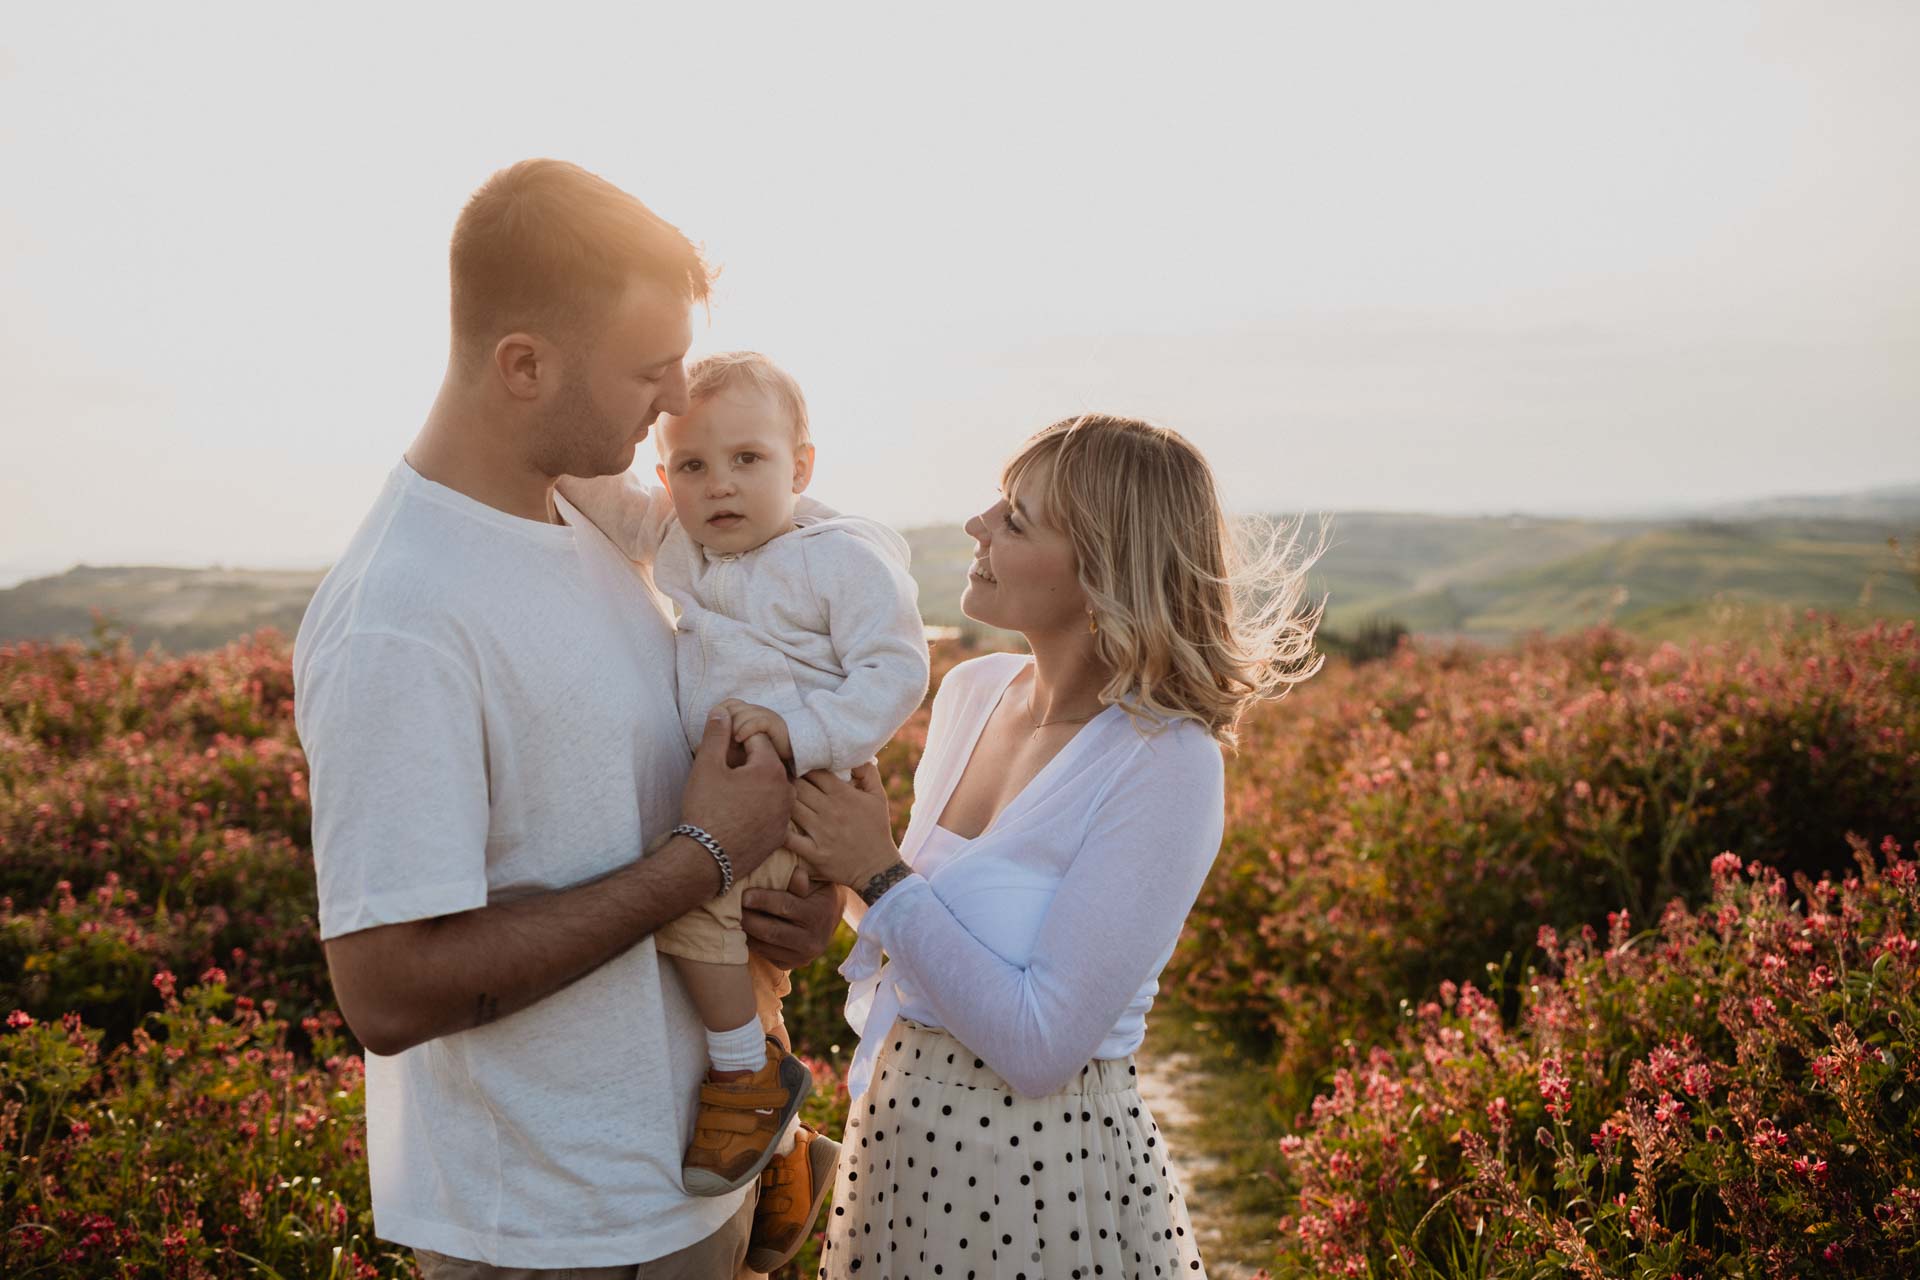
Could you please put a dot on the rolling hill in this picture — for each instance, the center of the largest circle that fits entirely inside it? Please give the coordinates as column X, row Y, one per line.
column 1484, row 578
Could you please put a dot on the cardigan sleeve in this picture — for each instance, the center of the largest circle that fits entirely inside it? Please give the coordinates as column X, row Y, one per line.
column 1151, row 838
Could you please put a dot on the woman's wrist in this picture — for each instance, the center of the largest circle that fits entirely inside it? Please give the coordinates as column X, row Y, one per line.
column 874, row 885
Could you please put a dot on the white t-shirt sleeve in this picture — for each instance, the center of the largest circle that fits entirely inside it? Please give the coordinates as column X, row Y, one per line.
column 635, row 516
column 1151, row 839
column 396, row 752
column 874, row 622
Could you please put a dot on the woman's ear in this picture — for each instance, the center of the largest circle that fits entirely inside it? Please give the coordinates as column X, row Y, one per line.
column 802, row 467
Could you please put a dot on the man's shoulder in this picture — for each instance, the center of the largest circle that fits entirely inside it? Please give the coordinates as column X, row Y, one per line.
column 405, row 573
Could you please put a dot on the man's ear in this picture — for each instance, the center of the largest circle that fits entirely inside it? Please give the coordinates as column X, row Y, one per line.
column 802, row 467
column 522, row 361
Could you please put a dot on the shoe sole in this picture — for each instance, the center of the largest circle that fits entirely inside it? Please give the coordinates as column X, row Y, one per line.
column 799, row 1082
column 823, row 1158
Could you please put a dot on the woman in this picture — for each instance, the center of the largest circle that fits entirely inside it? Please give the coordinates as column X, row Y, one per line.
column 1067, row 809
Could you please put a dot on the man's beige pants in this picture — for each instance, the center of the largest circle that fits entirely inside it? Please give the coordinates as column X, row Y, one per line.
column 721, row 1254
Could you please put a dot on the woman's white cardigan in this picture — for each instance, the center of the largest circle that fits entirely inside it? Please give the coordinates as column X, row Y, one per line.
column 1040, row 943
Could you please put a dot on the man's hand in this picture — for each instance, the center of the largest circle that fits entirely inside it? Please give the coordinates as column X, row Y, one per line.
column 791, row 927
column 749, row 719
column 744, row 806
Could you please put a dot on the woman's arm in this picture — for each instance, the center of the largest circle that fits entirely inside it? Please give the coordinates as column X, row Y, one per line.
column 1116, row 915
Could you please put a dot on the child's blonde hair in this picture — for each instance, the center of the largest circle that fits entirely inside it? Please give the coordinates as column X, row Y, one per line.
column 1192, row 627
column 749, row 370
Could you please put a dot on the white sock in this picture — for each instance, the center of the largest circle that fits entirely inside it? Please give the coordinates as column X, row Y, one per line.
column 742, row 1049
column 785, row 1146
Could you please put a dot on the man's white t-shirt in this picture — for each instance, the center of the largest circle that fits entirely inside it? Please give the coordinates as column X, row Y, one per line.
column 487, row 706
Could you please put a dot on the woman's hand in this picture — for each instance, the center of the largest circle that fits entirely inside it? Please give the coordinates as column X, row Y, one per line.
column 843, row 830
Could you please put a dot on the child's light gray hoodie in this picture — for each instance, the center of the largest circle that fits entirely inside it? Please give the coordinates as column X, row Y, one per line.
column 819, row 624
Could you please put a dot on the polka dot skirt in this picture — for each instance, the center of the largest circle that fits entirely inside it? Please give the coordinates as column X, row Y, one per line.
column 946, row 1172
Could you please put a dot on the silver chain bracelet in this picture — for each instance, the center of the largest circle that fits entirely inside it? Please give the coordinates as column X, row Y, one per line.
column 712, row 846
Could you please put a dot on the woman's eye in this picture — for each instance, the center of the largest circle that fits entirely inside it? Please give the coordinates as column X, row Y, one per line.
column 1006, row 522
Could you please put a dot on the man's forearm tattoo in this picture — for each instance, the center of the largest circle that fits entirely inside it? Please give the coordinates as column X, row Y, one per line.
column 485, row 1009
column 871, row 891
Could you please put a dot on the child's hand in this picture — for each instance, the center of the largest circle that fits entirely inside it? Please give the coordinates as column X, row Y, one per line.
column 749, row 719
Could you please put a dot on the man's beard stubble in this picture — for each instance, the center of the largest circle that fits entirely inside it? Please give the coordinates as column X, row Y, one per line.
column 576, row 439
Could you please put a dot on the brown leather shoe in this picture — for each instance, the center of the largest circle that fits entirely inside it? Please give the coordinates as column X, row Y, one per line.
column 740, row 1121
column 792, row 1190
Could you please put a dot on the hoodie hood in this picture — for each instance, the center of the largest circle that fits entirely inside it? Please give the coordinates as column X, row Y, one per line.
column 823, row 520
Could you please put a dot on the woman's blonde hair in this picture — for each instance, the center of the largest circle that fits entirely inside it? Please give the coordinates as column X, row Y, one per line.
column 1193, row 626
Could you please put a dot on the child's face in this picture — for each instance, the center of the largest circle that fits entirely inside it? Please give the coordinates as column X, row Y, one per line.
column 733, row 470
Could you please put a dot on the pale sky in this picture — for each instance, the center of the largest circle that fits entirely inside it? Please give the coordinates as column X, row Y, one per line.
column 1445, row 257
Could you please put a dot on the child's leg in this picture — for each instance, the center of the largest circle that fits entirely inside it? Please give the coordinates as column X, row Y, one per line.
column 770, row 984
column 753, row 1092
column 724, row 997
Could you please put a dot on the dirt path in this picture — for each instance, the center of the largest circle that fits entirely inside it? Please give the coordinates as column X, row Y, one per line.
column 1172, row 1084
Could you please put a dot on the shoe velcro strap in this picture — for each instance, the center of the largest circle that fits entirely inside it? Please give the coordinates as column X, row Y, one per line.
column 734, row 1122
column 734, row 1098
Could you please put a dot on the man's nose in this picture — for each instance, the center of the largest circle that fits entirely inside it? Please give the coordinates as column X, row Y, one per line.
column 673, row 393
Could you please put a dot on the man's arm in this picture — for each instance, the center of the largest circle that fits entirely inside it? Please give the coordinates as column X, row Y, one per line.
column 401, row 985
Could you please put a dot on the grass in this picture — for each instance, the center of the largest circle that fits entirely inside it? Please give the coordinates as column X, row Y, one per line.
column 1228, row 1142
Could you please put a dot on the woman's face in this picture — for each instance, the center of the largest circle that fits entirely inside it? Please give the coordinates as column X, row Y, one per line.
column 1023, row 576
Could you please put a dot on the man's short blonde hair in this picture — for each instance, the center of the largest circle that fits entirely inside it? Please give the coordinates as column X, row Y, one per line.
column 546, row 247
column 749, row 371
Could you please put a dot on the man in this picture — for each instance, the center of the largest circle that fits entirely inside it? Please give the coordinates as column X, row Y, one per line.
column 485, row 690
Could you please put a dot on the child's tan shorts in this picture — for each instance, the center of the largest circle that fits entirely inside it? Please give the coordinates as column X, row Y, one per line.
column 711, row 932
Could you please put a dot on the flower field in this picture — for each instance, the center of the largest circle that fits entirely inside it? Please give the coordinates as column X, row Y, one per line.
column 1714, row 1089
column 1583, row 957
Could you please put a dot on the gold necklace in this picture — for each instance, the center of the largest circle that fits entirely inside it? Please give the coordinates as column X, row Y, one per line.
column 1038, row 725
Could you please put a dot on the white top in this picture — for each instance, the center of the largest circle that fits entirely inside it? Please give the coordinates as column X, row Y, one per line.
column 819, row 624
column 487, row 707
column 1039, row 943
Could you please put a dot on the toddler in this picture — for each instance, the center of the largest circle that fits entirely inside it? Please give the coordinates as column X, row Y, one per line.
column 804, row 624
